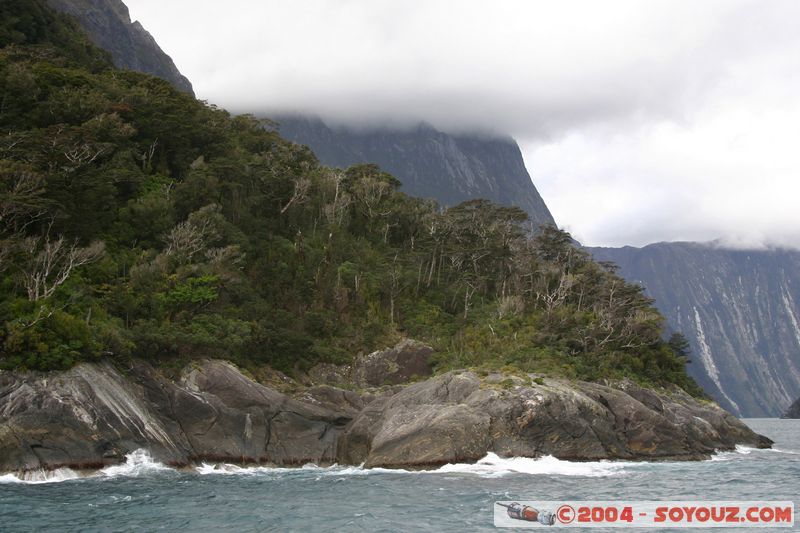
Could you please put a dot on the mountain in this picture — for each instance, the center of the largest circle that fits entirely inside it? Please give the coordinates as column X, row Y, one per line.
column 793, row 411
column 740, row 311
column 723, row 300
column 109, row 26
column 428, row 162
column 145, row 234
column 139, row 220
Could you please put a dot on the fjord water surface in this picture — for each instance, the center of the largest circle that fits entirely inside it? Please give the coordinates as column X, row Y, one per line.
column 145, row 496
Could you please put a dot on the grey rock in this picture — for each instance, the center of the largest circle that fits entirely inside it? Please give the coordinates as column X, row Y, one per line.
column 459, row 417
column 429, row 163
column 740, row 311
column 108, row 24
column 330, row 374
column 93, row 415
column 335, row 399
column 407, row 360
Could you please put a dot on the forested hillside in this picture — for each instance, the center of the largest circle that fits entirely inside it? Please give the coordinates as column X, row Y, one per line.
column 140, row 222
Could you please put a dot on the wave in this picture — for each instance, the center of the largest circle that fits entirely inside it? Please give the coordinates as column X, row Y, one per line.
column 490, row 466
column 495, row 466
column 140, row 462
column 35, row 477
column 137, row 463
column 747, row 450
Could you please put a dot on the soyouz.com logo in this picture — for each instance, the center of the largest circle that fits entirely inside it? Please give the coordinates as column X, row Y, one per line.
column 652, row 514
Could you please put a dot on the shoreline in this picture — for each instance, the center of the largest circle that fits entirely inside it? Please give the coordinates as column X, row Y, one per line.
column 140, row 461
column 92, row 416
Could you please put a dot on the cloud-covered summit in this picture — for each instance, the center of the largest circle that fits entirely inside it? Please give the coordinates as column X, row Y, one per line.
column 640, row 121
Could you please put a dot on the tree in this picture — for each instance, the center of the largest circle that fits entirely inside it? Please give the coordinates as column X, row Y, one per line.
column 679, row 344
column 195, row 234
column 49, row 263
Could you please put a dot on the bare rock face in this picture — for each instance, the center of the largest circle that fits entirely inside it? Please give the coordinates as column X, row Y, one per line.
column 429, row 163
column 95, row 414
column 459, row 417
column 739, row 310
column 406, row 361
column 409, row 359
column 108, row 24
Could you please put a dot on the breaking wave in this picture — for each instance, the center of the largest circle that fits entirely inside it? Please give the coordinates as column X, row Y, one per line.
column 140, row 463
column 35, row 477
column 137, row 463
column 490, row 466
column 494, row 466
column 746, row 450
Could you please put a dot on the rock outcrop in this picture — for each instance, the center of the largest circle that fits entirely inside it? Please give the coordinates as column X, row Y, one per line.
column 108, row 24
column 406, row 361
column 429, row 163
column 458, row 417
column 95, row 414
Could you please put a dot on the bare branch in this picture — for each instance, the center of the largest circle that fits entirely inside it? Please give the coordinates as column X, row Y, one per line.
column 49, row 263
column 300, row 194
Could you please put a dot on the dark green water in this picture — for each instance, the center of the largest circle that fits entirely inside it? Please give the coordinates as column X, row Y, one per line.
column 142, row 496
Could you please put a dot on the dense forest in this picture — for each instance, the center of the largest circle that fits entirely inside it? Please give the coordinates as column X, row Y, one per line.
column 140, row 222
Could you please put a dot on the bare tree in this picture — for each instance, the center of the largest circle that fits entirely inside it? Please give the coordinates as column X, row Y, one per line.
column 80, row 154
column 193, row 235
column 21, row 204
column 147, row 156
column 21, row 200
column 370, row 192
column 300, row 194
column 335, row 211
column 49, row 263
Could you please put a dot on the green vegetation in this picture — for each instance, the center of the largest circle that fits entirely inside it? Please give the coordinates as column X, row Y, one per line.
column 137, row 221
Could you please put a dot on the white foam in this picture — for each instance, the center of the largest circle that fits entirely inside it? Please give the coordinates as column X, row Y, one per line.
column 230, row 469
column 495, row 466
column 746, row 450
column 490, row 466
column 136, row 463
column 35, row 477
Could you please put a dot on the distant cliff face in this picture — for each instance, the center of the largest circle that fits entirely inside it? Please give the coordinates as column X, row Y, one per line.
column 740, row 311
column 109, row 26
column 793, row 411
column 429, row 163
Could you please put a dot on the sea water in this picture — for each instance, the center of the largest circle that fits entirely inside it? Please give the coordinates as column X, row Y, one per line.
column 142, row 495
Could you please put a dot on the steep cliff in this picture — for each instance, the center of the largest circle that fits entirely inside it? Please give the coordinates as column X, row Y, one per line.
column 740, row 311
column 109, row 26
column 429, row 163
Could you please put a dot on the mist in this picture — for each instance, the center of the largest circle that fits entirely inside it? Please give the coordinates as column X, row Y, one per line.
column 639, row 122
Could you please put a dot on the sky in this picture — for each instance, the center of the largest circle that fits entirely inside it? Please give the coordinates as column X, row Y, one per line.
column 639, row 121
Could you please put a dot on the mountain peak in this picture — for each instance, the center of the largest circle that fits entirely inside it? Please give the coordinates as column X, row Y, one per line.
column 108, row 24
column 428, row 162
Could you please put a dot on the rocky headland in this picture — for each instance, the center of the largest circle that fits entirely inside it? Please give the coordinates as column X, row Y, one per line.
column 94, row 414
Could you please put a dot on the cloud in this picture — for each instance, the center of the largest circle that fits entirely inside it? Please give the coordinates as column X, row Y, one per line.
column 640, row 121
